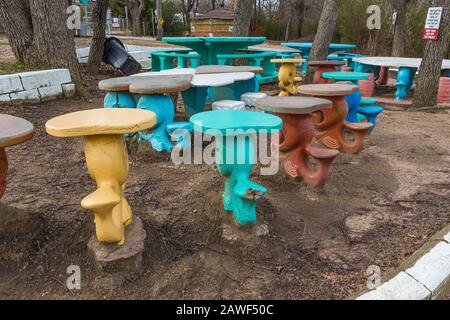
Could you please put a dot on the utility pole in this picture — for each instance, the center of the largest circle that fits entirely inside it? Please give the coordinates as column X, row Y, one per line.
column 159, row 16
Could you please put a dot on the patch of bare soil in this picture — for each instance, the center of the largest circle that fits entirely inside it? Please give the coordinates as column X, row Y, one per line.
column 377, row 209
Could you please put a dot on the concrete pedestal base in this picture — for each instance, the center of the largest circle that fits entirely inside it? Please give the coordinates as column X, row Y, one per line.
column 120, row 258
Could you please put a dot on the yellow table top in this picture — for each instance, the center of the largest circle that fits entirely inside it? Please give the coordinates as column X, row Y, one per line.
column 100, row 121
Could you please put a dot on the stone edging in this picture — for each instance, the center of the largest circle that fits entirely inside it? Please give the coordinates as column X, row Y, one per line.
column 35, row 86
column 423, row 276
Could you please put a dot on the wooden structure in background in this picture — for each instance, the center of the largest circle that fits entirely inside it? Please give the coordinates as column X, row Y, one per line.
column 218, row 22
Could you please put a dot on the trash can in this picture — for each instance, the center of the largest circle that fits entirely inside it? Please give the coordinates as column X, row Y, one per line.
column 116, row 55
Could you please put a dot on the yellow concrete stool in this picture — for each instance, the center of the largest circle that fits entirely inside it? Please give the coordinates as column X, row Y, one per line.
column 287, row 76
column 107, row 161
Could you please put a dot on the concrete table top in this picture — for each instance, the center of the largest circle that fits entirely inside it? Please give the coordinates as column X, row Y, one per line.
column 328, row 90
column 396, row 62
column 293, row 104
column 221, row 121
column 14, row 130
column 154, row 84
column 100, row 122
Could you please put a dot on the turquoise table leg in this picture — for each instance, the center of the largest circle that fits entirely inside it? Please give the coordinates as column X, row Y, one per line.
column 446, row 73
column 233, row 91
column 194, row 100
column 235, row 159
column 405, row 80
column 164, row 109
column 119, row 100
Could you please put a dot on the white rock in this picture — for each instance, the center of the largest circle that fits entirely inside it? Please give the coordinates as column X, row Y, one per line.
column 250, row 98
column 433, row 269
column 401, row 287
column 228, row 105
column 45, row 78
column 29, row 96
column 68, row 90
column 10, row 83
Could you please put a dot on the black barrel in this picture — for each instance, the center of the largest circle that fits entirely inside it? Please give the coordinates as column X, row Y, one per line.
column 116, row 55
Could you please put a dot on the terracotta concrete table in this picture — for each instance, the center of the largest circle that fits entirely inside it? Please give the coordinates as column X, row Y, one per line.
column 13, row 131
column 287, row 76
column 297, row 135
column 235, row 155
column 322, row 67
column 355, row 100
column 330, row 124
column 107, row 161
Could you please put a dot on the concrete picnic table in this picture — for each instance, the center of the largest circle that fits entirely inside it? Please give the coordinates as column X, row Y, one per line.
column 330, row 124
column 235, row 156
column 107, row 161
column 210, row 47
column 306, row 47
column 297, row 135
column 13, row 131
column 407, row 69
column 355, row 101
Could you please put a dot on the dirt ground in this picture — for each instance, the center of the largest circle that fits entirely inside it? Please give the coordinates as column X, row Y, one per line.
column 377, row 209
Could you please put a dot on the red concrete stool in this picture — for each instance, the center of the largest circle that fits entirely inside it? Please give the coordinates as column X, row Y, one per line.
column 297, row 135
column 13, row 131
column 322, row 67
column 444, row 91
column 367, row 87
column 330, row 124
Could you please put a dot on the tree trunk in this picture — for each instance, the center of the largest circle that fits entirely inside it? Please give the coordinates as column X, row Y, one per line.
column 98, row 41
column 325, row 31
column 38, row 35
column 159, row 13
column 430, row 69
column 398, row 47
column 136, row 9
column 243, row 17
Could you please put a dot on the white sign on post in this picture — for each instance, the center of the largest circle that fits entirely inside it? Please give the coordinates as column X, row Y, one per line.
column 434, row 17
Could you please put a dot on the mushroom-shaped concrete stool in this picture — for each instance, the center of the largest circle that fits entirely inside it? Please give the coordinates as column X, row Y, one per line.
column 153, row 90
column 234, row 133
column 13, row 131
column 107, row 161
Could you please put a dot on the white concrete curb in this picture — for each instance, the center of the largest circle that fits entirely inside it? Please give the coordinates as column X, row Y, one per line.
column 422, row 281
column 36, row 86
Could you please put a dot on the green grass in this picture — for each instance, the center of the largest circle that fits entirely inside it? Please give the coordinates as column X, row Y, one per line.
column 15, row 66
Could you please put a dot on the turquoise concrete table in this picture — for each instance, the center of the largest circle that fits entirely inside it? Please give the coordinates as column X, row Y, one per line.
column 234, row 133
column 306, row 47
column 209, row 47
column 355, row 100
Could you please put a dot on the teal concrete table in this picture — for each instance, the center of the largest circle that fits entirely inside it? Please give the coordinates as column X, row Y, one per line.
column 354, row 101
column 234, row 133
column 209, row 47
column 306, row 47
